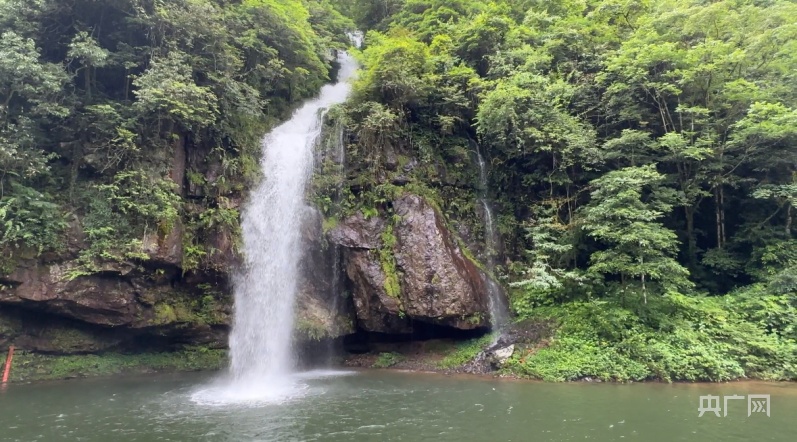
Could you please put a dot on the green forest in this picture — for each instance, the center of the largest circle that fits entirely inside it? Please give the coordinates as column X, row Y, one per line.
column 641, row 156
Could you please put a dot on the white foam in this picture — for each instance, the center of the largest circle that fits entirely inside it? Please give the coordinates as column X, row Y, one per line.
column 249, row 393
column 259, row 392
column 323, row 373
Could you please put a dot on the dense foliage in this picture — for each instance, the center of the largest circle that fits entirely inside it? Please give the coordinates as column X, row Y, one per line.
column 640, row 155
column 642, row 160
column 103, row 103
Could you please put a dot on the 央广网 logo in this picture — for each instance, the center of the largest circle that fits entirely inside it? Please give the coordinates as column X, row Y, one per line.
column 756, row 403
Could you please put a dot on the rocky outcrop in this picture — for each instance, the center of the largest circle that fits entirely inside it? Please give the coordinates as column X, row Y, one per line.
column 357, row 232
column 377, row 311
column 151, row 303
column 379, row 274
column 122, row 305
column 103, row 299
column 440, row 284
column 165, row 250
column 52, row 334
column 411, row 269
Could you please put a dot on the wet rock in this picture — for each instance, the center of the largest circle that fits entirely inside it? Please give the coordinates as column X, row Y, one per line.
column 101, row 299
column 357, row 232
column 376, row 310
column 431, row 279
column 321, row 309
column 225, row 258
column 48, row 309
column 501, row 355
column 439, row 283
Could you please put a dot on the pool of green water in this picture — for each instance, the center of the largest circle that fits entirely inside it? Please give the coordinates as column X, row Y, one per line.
column 392, row 406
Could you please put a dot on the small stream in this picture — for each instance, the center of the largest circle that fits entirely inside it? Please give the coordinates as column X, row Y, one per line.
column 390, row 406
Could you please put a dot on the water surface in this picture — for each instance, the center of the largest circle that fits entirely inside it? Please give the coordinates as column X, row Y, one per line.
column 389, row 406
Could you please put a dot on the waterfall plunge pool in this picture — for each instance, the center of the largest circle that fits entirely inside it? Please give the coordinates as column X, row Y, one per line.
column 388, row 406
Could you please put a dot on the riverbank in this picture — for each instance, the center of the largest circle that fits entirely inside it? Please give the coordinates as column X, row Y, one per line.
column 446, row 356
column 30, row 367
column 536, row 355
column 439, row 356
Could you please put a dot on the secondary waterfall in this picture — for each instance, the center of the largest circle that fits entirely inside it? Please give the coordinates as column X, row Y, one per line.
column 265, row 288
column 498, row 308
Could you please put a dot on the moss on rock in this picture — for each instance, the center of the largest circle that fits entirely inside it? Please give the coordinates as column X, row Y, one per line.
column 35, row 367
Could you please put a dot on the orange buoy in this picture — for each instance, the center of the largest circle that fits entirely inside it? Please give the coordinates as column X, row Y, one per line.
column 9, row 358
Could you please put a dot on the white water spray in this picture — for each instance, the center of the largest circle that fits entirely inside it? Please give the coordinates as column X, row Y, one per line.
column 265, row 289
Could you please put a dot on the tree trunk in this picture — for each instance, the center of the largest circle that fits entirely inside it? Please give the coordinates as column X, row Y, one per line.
column 722, row 215
column 644, row 290
column 691, row 241
column 718, row 217
column 644, row 287
column 87, row 80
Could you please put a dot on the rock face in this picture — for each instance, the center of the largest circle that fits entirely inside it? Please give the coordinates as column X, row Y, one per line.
column 377, row 311
column 321, row 309
column 49, row 308
column 380, row 275
column 411, row 271
column 439, row 283
column 100, row 299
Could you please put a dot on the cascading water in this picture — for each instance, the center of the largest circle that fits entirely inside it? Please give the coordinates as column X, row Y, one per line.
column 265, row 288
column 498, row 308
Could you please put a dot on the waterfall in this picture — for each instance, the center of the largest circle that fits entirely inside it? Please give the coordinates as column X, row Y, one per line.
column 265, row 287
column 498, row 308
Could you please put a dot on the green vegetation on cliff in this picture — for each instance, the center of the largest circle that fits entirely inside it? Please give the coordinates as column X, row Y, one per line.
column 105, row 105
column 640, row 158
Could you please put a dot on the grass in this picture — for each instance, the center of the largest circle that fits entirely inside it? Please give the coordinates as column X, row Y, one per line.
column 387, row 359
column 35, row 367
column 464, row 352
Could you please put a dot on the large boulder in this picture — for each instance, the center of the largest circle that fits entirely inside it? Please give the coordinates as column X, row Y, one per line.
column 439, row 283
column 410, row 270
column 377, row 310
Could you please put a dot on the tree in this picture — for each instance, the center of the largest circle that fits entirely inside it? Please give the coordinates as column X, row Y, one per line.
column 624, row 214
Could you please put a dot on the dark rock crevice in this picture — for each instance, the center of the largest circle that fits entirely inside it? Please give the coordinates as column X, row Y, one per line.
column 364, row 341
